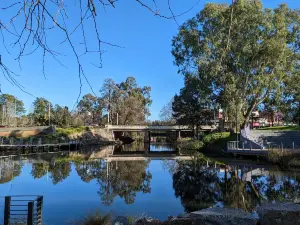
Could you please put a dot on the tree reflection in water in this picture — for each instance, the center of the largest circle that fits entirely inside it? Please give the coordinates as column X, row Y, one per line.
column 196, row 186
column 123, row 179
column 58, row 171
column 279, row 186
column 9, row 170
column 39, row 170
column 90, row 170
column 199, row 186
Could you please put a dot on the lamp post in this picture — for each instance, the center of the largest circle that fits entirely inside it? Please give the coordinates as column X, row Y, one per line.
column 236, row 123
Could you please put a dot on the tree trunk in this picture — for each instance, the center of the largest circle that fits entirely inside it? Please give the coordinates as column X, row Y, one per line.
column 247, row 116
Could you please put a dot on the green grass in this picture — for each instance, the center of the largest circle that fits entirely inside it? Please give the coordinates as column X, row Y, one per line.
column 70, row 130
column 282, row 128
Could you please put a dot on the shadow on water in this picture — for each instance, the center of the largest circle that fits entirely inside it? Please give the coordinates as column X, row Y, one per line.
column 184, row 185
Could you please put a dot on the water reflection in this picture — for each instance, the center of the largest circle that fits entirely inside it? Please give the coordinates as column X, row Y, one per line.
column 145, row 148
column 200, row 186
column 124, row 179
column 112, row 179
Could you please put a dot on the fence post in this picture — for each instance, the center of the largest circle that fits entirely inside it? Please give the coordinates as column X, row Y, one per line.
column 30, row 213
column 281, row 147
column 250, row 145
column 7, row 210
column 39, row 209
column 293, row 145
column 243, row 145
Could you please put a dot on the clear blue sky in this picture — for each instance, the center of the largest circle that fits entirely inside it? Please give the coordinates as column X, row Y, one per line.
column 146, row 55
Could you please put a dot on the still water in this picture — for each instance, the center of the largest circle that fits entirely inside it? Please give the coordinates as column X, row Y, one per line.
column 142, row 184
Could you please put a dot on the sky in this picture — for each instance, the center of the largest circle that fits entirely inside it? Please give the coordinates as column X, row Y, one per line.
column 146, row 43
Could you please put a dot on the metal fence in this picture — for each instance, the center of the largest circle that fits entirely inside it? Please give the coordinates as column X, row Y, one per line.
column 243, row 145
column 23, row 209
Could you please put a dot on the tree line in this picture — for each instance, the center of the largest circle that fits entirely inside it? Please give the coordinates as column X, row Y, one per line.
column 123, row 103
column 239, row 58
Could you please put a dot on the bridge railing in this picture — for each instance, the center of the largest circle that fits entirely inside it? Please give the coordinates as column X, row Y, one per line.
column 143, row 127
column 159, row 127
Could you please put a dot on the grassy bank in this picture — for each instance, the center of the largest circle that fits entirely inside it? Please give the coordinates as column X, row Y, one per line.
column 210, row 143
column 282, row 128
column 70, row 130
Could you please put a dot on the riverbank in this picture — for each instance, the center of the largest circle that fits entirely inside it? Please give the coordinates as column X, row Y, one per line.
column 215, row 144
column 86, row 135
column 279, row 213
column 212, row 144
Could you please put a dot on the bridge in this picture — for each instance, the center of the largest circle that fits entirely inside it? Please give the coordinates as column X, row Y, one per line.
column 147, row 129
column 157, row 128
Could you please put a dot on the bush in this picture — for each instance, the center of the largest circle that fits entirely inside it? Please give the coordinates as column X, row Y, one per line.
column 71, row 130
column 95, row 219
column 210, row 138
column 284, row 159
column 190, row 146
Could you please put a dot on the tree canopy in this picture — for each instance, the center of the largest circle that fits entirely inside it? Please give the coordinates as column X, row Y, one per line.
column 243, row 52
column 10, row 108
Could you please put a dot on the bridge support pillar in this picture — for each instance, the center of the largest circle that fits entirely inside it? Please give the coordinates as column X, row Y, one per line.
column 147, row 136
column 178, row 135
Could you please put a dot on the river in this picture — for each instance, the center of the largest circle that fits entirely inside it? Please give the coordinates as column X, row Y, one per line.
column 132, row 181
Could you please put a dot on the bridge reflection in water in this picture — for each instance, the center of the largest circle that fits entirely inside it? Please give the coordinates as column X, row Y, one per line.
column 122, row 182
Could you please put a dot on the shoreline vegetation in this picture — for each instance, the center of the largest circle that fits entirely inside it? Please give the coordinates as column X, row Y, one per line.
column 213, row 144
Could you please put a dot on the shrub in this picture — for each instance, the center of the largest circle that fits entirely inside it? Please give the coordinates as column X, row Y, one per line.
column 190, row 146
column 210, row 138
column 95, row 219
column 71, row 130
column 284, row 159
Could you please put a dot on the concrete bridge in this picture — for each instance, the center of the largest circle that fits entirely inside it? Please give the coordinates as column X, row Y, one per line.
column 157, row 128
column 147, row 129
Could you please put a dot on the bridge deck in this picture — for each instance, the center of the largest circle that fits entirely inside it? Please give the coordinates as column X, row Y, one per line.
column 155, row 128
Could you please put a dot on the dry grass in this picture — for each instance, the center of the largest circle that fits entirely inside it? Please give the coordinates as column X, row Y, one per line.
column 95, row 218
column 285, row 159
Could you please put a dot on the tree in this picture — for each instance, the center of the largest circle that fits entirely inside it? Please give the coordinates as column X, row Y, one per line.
column 91, row 108
column 166, row 113
column 109, row 96
column 10, row 109
column 61, row 116
column 192, row 105
column 127, row 101
column 42, row 108
column 243, row 51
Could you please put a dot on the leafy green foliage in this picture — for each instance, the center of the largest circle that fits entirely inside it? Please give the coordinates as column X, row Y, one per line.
column 243, row 52
column 190, row 146
column 61, row 116
column 90, row 107
column 127, row 101
column 213, row 137
column 70, row 130
column 191, row 106
column 41, row 111
column 11, row 108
